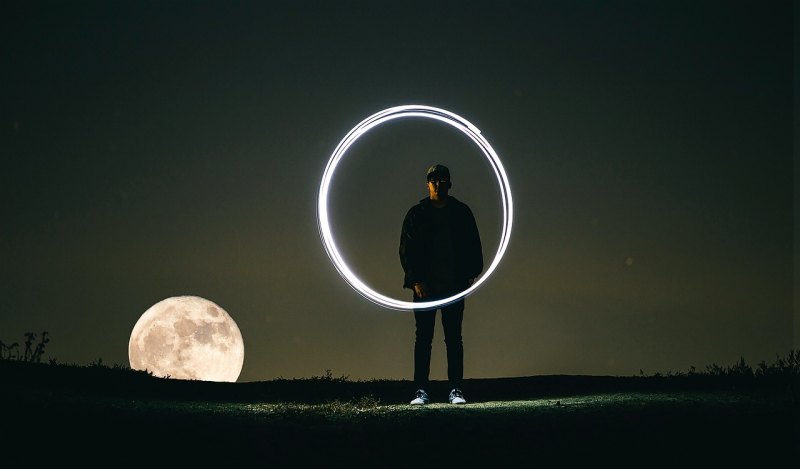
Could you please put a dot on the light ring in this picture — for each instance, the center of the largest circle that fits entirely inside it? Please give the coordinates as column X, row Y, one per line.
column 323, row 221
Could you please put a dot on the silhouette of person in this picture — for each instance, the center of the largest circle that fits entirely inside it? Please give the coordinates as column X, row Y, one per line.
column 440, row 251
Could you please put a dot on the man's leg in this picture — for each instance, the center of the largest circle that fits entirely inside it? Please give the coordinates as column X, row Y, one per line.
column 452, row 316
column 425, row 321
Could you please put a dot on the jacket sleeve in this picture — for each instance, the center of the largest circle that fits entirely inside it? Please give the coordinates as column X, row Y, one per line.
column 410, row 250
column 475, row 250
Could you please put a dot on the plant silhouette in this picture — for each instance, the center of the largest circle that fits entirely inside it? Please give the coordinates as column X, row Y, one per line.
column 32, row 353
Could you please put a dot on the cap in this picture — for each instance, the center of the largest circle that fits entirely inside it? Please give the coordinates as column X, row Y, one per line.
column 438, row 170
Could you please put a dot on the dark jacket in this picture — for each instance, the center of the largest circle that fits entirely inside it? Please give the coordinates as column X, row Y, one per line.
column 416, row 239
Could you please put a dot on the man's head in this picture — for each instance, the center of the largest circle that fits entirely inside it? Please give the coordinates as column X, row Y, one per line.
column 438, row 181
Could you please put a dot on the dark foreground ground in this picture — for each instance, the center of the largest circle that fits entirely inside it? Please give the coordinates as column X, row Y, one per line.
column 117, row 417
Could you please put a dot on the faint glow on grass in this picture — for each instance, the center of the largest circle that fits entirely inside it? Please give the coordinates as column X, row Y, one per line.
column 569, row 403
column 361, row 409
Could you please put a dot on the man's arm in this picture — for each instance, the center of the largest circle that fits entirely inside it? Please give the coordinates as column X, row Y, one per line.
column 409, row 253
column 475, row 250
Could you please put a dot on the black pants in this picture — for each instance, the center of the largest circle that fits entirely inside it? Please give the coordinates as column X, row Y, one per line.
column 452, row 316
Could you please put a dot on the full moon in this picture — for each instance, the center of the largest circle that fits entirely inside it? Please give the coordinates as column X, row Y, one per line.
column 187, row 337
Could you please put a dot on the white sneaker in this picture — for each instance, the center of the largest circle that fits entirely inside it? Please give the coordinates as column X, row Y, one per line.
column 421, row 398
column 457, row 397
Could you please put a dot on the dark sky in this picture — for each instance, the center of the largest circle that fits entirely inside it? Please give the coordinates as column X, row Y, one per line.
column 156, row 149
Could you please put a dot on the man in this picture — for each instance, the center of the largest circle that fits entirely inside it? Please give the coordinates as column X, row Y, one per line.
column 440, row 251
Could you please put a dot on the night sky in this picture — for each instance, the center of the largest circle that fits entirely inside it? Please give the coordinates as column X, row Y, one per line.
column 157, row 149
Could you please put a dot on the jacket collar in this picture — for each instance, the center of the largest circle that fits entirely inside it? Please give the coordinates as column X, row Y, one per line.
column 427, row 203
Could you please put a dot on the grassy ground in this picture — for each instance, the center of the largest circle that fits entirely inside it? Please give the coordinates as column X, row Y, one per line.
column 114, row 416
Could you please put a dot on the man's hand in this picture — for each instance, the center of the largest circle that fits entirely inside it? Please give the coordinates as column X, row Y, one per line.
column 420, row 290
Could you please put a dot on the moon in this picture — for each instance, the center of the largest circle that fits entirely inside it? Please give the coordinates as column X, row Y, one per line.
column 187, row 337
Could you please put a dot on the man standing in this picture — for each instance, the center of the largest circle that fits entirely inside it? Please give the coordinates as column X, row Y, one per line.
column 440, row 251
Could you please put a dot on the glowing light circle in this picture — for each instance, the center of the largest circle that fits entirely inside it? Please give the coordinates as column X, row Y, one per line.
column 358, row 131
